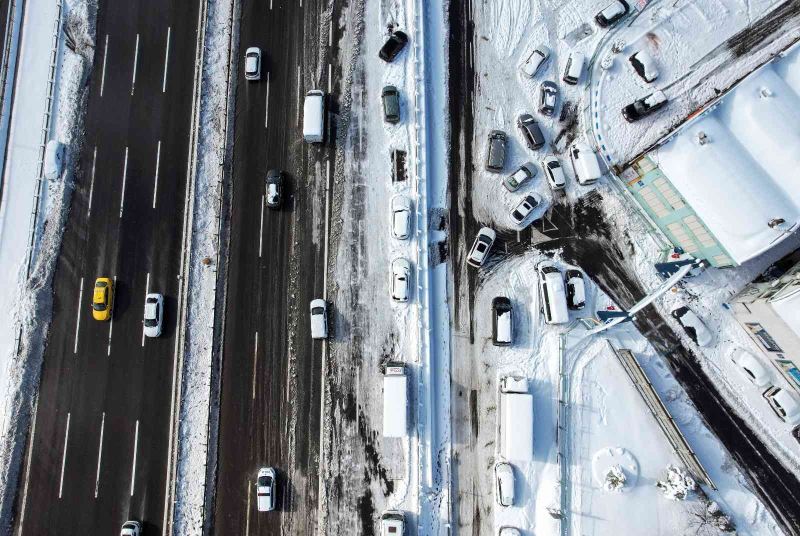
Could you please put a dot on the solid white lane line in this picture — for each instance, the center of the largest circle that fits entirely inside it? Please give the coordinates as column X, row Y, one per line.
column 330, row 34
column 158, row 162
column 330, row 78
column 166, row 61
column 146, row 290
column 255, row 364
column 91, row 184
column 266, row 104
column 247, row 516
column 64, row 458
column 299, row 107
column 270, row 5
column 103, row 76
column 99, row 455
column 78, row 322
column 135, row 61
column 28, row 468
column 261, row 228
column 111, row 323
column 135, row 446
column 124, row 178
column 327, row 229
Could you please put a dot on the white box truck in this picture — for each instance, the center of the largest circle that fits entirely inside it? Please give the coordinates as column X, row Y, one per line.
column 516, row 407
column 395, row 401
column 314, row 116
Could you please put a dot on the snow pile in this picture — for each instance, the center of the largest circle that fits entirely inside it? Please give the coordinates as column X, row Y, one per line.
column 33, row 295
column 676, row 485
column 614, row 479
column 191, row 484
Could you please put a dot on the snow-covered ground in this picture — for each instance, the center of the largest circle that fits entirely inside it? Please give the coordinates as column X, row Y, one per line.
column 26, row 295
column 686, row 39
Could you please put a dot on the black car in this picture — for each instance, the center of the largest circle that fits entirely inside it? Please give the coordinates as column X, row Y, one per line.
column 502, row 321
column 534, row 138
column 611, row 13
column 643, row 107
column 548, row 97
column 274, row 188
column 391, row 104
column 576, row 289
column 392, row 47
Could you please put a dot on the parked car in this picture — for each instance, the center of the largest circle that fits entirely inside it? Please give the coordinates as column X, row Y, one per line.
column 393, row 46
column 584, row 163
column 265, row 489
column 401, row 217
column 153, row 314
column 522, row 174
column 548, row 98
column 521, row 212
column 751, row 367
column 554, row 172
column 319, row 319
column 643, row 107
column 252, row 64
column 574, row 68
column 535, row 60
column 576, row 289
column 612, row 13
column 552, row 294
column 504, row 486
column 785, row 404
column 481, row 247
column 131, row 528
column 273, row 188
column 393, row 523
column 401, row 275
column 531, row 132
column 390, row 98
column 502, row 321
column 644, row 65
column 103, row 299
column 692, row 325
column 509, row 531
column 496, row 155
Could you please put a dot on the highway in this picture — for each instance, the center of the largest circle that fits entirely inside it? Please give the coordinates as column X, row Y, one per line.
column 270, row 385
column 97, row 452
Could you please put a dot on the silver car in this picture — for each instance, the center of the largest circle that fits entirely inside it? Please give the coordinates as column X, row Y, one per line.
column 521, row 175
column 252, row 63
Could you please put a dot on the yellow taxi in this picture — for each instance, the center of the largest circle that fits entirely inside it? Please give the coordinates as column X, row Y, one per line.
column 102, row 298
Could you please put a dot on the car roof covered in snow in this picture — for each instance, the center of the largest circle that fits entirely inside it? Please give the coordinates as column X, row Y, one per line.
column 742, row 177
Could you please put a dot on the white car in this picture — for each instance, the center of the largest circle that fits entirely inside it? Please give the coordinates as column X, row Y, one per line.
column 131, row 528
column 319, row 319
column 265, row 489
column 401, row 275
column 535, row 60
column 504, row 486
column 401, row 217
column 393, row 523
column 153, row 314
column 751, row 367
column 252, row 64
column 643, row 64
column 521, row 212
column 554, row 172
column 785, row 404
column 692, row 325
column 481, row 247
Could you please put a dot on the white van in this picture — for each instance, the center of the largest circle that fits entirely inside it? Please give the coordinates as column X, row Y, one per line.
column 574, row 68
column 552, row 295
column 314, row 117
column 395, row 401
column 584, row 163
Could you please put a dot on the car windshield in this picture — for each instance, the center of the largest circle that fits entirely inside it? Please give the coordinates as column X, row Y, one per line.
column 316, row 311
column 265, row 481
column 553, row 165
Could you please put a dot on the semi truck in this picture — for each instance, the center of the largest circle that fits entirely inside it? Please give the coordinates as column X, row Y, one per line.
column 516, row 407
column 395, row 401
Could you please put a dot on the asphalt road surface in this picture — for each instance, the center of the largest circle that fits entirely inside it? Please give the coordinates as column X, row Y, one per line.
column 270, row 386
column 581, row 233
column 97, row 452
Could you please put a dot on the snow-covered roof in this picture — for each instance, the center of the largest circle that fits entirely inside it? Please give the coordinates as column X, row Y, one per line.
column 736, row 165
column 788, row 308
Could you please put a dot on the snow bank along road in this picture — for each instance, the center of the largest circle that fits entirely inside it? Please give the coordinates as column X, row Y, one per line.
column 270, row 390
column 97, row 452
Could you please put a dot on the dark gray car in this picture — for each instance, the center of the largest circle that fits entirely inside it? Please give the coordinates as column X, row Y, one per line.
column 496, row 155
column 531, row 132
column 391, row 104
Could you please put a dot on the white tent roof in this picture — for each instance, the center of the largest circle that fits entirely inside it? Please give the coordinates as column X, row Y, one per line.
column 746, row 173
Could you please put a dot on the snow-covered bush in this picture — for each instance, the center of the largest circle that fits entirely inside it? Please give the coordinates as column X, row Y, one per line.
column 614, row 479
column 677, row 484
